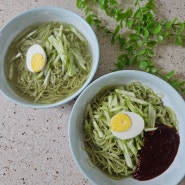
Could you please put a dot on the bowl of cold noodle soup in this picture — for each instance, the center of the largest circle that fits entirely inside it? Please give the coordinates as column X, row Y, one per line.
column 127, row 127
column 48, row 56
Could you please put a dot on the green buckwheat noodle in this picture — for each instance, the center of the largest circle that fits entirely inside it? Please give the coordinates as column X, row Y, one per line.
column 115, row 157
column 68, row 62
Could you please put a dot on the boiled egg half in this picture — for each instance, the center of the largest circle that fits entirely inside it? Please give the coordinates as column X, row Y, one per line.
column 126, row 125
column 35, row 58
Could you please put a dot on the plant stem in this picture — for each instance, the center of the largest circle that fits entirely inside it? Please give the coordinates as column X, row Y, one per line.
column 145, row 34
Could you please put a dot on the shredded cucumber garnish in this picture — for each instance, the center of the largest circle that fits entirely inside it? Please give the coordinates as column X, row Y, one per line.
column 68, row 64
column 116, row 157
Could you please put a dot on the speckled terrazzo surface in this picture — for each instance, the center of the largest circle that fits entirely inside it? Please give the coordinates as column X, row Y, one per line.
column 34, row 146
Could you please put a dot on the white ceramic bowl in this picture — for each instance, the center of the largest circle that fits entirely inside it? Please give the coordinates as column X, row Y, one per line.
column 171, row 98
column 41, row 15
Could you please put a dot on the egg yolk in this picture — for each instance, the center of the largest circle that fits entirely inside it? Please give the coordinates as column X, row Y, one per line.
column 120, row 122
column 37, row 62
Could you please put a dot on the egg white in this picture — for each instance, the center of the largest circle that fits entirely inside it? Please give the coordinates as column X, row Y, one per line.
column 34, row 49
column 136, row 128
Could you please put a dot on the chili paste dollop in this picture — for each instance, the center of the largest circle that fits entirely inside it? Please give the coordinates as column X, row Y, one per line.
column 157, row 154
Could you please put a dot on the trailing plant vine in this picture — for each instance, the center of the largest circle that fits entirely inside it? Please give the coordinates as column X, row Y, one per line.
column 145, row 33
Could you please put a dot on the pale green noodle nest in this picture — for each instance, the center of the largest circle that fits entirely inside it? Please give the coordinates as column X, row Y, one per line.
column 116, row 157
column 68, row 62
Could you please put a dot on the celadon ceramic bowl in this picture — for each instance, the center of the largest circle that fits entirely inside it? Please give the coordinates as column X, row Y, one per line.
column 176, row 171
column 42, row 15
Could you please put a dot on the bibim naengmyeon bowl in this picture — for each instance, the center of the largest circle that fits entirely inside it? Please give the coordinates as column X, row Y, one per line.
column 90, row 121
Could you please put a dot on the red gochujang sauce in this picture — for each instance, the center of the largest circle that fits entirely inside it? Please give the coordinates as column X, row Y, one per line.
column 157, row 154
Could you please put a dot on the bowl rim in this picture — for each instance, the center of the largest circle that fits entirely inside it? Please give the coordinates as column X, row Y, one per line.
column 79, row 99
column 94, row 65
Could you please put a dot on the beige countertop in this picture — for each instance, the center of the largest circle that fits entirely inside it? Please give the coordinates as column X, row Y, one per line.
column 34, row 145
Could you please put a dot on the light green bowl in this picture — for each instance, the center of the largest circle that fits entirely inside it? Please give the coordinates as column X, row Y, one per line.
column 41, row 15
column 173, row 174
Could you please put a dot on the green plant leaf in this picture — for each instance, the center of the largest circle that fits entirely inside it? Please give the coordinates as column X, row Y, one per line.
column 175, row 83
column 134, row 60
column 160, row 38
column 80, row 4
column 103, row 4
column 137, row 13
column 157, row 29
column 168, row 24
column 142, row 52
column 182, row 83
column 150, row 52
column 151, row 43
column 116, row 31
column 143, row 64
column 181, row 28
column 134, row 36
column 129, row 23
column 175, row 20
column 151, row 5
column 146, row 33
column 179, row 40
column 170, row 74
column 151, row 25
column 128, row 13
column 123, row 61
column 154, row 70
